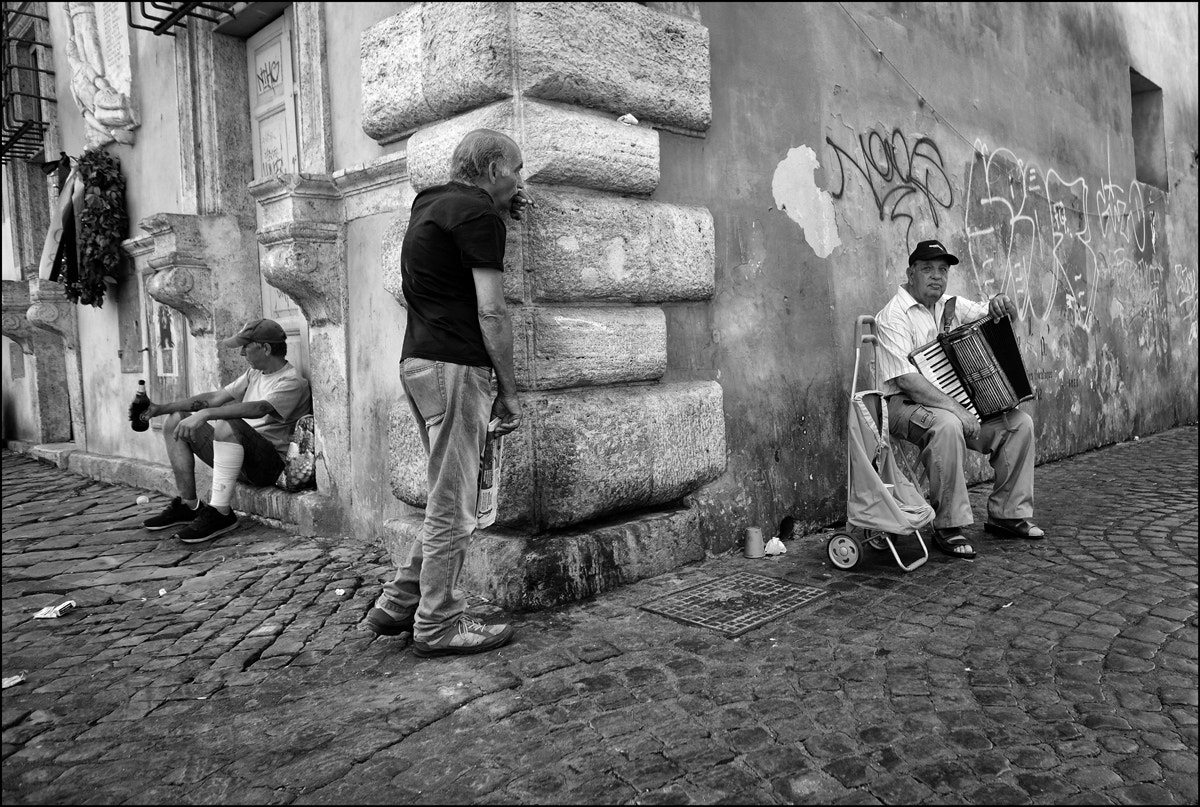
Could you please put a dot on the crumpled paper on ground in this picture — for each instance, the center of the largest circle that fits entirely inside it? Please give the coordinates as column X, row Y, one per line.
column 775, row 547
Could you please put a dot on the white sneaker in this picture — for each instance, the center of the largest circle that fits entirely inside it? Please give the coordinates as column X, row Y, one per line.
column 468, row 636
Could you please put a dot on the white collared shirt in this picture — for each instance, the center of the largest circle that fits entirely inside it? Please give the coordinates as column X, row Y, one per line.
column 904, row 325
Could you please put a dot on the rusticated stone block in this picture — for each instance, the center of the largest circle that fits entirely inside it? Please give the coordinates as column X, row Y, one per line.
column 436, row 60
column 520, row 572
column 584, row 246
column 393, row 242
column 620, row 57
column 616, row 448
column 589, row 452
column 560, row 145
column 431, row 61
column 584, row 346
column 407, row 466
column 566, row 347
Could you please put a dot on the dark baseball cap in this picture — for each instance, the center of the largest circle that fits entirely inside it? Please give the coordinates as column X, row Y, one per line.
column 258, row 330
column 930, row 250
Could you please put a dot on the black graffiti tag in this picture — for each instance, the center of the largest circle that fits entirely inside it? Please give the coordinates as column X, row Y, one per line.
column 895, row 172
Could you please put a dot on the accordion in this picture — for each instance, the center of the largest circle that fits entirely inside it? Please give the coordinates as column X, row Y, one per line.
column 979, row 365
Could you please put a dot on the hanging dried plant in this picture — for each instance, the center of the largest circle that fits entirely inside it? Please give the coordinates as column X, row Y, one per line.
column 103, row 224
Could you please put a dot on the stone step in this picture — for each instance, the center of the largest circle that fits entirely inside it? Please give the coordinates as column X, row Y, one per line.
column 308, row 512
column 523, row 572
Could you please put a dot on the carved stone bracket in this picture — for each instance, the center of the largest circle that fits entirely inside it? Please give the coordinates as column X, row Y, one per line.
column 302, row 228
column 51, row 311
column 16, row 325
column 175, row 251
column 303, row 260
column 184, row 286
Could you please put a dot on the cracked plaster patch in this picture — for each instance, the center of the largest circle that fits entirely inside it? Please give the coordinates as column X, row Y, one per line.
column 796, row 194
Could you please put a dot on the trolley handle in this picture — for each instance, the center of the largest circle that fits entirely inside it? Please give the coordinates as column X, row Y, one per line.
column 864, row 334
column 868, row 337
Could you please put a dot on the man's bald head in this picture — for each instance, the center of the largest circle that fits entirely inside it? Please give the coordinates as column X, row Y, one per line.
column 478, row 150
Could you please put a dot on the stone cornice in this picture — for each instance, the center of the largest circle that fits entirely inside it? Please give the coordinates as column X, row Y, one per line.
column 373, row 187
column 286, row 198
column 138, row 247
column 315, row 231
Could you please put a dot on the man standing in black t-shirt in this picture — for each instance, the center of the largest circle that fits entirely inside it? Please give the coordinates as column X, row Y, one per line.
column 458, row 333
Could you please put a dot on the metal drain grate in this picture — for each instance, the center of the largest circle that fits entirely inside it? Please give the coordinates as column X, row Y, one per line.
column 735, row 604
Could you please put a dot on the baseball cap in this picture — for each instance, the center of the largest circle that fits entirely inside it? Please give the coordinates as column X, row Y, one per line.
column 930, row 250
column 258, row 330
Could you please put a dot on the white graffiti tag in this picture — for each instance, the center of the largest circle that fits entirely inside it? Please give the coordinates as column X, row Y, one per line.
column 1050, row 242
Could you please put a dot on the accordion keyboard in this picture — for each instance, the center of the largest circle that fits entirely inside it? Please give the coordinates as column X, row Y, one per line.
column 934, row 366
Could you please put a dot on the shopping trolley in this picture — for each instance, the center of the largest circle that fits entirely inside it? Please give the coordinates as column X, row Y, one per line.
column 882, row 504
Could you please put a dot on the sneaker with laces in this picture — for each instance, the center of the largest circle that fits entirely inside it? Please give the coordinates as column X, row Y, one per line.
column 175, row 513
column 381, row 623
column 208, row 525
column 468, row 636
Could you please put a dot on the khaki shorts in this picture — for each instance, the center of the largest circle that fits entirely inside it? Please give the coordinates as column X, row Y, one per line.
column 262, row 464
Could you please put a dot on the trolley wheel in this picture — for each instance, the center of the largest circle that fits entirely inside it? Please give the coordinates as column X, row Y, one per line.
column 844, row 550
column 875, row 539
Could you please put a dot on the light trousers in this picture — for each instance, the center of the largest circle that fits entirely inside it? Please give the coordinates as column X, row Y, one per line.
column 451, row 404
column 1007, row 439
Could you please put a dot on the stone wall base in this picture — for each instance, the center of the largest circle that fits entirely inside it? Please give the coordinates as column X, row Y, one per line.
column 523, row 572
column 308, row 513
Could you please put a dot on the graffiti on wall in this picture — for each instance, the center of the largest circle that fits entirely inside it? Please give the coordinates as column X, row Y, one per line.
column 908, row 181
column 1185, row 298
column 1055, row 243
column 1082, row 251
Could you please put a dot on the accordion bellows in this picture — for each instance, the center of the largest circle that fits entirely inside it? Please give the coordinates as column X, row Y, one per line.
column 979, row 365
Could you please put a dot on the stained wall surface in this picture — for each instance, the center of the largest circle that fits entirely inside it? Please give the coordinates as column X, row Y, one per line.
column 841, row 134
column 1003, row 130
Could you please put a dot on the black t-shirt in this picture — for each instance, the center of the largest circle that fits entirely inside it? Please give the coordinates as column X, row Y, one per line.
column 453, row 229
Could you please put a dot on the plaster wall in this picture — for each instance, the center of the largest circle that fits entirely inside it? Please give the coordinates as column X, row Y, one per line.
column 823, row 168
column 152, row 171
column 347, row 21
column 375, row 327
column 375, row 323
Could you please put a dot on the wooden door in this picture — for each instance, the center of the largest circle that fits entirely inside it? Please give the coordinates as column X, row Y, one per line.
column 269, row 58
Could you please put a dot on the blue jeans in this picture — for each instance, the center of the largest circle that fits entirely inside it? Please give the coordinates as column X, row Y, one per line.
column 451, row 404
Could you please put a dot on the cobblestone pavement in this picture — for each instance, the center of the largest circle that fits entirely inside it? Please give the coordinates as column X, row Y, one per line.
column 1062, row 671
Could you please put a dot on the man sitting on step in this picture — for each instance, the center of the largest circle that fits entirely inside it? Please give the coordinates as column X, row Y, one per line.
column 241, row 431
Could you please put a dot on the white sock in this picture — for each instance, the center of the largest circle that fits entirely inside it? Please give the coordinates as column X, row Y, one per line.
column 227, row 464
column 192, row 504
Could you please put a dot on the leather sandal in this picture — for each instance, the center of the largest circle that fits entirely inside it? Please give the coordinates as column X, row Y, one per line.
column 1014, row 528
column 950, row 539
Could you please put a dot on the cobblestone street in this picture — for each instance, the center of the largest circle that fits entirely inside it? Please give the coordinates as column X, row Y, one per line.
column 1061, row 671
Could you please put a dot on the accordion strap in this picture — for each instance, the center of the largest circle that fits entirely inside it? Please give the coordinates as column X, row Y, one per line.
column 948, row 315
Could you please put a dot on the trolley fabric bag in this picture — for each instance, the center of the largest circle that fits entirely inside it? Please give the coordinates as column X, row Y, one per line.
column 878, row 495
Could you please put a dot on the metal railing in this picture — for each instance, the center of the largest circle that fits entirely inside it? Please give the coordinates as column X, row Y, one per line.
column 21, row 87
column 168, row 16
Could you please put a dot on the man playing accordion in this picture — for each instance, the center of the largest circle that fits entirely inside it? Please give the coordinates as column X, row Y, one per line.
column 937, row 423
